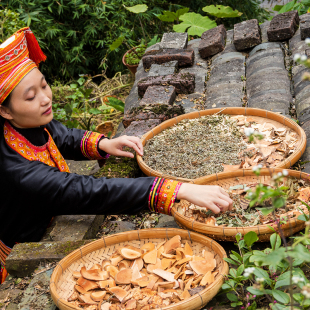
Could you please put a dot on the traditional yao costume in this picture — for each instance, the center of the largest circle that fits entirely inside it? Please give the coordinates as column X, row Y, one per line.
column 35, row 180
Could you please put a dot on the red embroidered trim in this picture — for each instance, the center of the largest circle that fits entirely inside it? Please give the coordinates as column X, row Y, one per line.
column 89, row 145
column 47, row 154
column 4, row 253
column 163, row 194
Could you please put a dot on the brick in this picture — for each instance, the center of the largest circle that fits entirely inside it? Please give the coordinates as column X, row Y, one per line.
column 212, row 41
column 283, row 26
column 26, row 257
column 247, row 34
column 184, row 83
column 139, row 128
column 305, row 26
column 158, row 95
column 184, row 57
column 174, row 40
column 73, row 227
column 164, row 69
column 161, row 112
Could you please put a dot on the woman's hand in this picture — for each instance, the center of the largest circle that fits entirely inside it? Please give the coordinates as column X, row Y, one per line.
column 115, row 146
column 208, row 196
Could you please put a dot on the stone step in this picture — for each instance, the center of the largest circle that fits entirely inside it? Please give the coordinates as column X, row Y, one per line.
column 184, row 83
column 37, row 295
column 164, row 69
column 26, row 257
column 158, row 95
column 184, row 57
column 283, row 26
column 247, row 34
column 212, row 41
column 73, row 227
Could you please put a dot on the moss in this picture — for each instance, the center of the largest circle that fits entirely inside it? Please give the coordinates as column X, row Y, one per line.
column 119, row 167
column 68, row 247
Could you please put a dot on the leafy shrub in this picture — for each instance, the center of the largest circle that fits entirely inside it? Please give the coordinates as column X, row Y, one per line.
column 300, row 6
column 76, row 34
column 9, row 23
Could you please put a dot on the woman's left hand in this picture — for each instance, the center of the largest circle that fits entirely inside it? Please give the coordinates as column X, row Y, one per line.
column 115, row 146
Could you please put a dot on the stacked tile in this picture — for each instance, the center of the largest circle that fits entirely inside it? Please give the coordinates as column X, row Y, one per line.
column 268, row 84
column 225, row 85
column 301, row 87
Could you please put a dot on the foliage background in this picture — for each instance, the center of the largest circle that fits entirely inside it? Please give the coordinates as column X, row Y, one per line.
column 76, row 34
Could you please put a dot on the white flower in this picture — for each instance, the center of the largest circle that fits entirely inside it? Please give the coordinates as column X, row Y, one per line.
column 303, row 57
column 296, row 279
column 246, row 188
column 279, row 174
column 285, row 172
column 260, row 166
column 297, row 57
column 307, row 41
column 248, row 131
column 248, row 271
column 260, row 280
column 306, row 293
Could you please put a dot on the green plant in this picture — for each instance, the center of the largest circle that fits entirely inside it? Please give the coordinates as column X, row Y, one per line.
column 133, row 57
column 259, row 274
column 195, row 23
column 301, row 6
column 76, row 34
column 9, row 23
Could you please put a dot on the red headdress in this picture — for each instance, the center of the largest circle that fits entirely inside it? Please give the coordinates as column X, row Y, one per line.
column 18, row 55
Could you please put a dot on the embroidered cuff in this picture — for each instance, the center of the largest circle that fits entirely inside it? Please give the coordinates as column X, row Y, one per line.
column 163, row 195
column 89, row 145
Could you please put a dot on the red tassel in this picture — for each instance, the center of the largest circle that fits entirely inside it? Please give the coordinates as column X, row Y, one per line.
column 35, row 52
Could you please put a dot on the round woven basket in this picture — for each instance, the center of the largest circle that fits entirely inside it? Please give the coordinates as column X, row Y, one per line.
column 226, row 180
column 62, row 281
column 282, row 120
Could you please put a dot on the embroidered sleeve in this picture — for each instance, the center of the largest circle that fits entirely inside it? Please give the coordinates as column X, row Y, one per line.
column 163, row 195
column 4, row 252
column 89, row 145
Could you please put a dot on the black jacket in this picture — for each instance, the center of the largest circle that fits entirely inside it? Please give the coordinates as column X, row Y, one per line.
column 33, row 192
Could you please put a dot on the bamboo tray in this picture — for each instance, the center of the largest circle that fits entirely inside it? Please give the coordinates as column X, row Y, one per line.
column 62, row 281
column 226, row 180
column 280, row 119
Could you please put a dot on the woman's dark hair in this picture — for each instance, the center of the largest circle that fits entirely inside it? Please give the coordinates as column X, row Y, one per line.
column 7, row 100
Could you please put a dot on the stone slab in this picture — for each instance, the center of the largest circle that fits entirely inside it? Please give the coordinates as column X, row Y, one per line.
column 26, row 257
column 164, row 69
column 247, row 34
column 166, row 221
column 36, row 295
column 158, row 95
column 184, row 57
column 84, row 167
column 184, row 83
column 132, row 99
column 305, row 26
column 73, row 227
column 283, row 26
column 212, row 41
column 139, row 128
column 174, row 40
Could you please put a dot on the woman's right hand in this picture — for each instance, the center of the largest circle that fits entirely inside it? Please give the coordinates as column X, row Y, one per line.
column 207, row 196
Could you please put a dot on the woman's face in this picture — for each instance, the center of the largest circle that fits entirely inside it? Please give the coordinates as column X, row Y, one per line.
column 31, row 102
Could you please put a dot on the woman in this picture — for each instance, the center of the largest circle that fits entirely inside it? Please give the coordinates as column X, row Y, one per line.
column 35, row 181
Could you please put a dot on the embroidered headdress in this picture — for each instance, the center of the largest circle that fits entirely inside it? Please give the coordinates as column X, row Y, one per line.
column 18, row 55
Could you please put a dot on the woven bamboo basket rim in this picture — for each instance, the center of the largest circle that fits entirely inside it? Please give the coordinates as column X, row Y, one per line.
column 229, row 233
column 287, row 163
column 86, row 255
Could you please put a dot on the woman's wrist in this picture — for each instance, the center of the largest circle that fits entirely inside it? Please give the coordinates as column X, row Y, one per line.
column 104, row 145
column 183, row 190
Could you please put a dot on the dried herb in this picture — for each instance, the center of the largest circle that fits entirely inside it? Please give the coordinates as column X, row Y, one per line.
column 196, row 147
